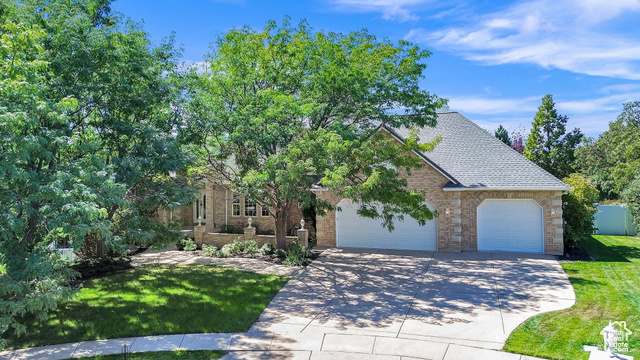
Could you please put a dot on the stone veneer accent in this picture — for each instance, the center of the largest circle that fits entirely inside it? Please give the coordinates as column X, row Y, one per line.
column 457, row 228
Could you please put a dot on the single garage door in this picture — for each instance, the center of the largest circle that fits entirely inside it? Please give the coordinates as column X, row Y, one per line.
column 510, row 225
column 355, row 231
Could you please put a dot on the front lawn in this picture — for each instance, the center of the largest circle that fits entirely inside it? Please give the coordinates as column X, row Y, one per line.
column 606, row 289
column 157, row 300
column 162, row 355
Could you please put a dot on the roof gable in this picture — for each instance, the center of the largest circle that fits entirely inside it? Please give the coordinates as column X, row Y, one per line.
column 473, row 159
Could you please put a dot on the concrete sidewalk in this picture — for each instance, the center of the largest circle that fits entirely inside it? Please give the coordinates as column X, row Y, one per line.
column 267, row 346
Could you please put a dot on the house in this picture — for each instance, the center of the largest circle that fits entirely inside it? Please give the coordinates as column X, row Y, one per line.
column 488, row 196
column 224, row 215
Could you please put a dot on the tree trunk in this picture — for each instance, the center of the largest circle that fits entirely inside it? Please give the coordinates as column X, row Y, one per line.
column 282, row 219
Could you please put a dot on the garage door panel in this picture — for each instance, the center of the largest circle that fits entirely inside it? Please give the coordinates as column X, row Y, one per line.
column 510, row 225
column 355, row 231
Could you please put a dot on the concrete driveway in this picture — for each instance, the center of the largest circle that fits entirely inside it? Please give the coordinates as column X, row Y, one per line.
column 401, row 304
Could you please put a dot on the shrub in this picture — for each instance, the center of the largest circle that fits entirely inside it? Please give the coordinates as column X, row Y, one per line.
column 209, row 250
column 578, row 210
column 297, row 255
column 281, row 254
column 188, row 245
column 266, row 249
column 225, row 251
column 250, row 246
column 236, row 246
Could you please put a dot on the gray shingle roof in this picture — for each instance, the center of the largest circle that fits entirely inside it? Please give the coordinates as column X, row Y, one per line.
column 473, row 159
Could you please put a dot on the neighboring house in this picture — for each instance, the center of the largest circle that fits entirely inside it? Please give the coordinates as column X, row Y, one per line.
column 488, row 196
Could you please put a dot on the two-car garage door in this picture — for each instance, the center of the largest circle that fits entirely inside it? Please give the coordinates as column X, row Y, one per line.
column 503, row 225
column 355, row 231
column 510, row 225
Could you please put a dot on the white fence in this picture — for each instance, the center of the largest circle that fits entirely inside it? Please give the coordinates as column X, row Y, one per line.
column 614, row 220
column 64, row 252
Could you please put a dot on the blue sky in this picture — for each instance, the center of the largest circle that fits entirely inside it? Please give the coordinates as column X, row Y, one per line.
column 493, row 60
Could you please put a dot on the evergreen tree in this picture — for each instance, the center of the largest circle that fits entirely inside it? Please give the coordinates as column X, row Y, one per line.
column 548, row 144
column 503, row 135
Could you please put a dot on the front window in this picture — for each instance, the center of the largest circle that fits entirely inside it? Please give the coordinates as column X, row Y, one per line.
column 265, row 211
column 235, row 205
column 249, row 207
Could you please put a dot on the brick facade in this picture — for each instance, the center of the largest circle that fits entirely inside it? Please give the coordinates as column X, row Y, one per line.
column 457, row 227
column 219, row 212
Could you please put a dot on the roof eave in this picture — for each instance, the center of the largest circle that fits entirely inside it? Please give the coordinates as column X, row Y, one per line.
column 507, row 189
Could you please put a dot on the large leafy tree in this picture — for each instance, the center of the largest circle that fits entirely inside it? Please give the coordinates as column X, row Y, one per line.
column 281, row 108
column 612, row 160
column 85, row 143
column 549, row 145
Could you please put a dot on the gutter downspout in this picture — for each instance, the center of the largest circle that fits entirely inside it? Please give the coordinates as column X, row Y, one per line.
column 226, row 207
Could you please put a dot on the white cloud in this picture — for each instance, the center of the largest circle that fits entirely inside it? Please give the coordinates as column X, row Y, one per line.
column 484, row 105
column 620, row 88
column 390, row 9
column 578, row 36
column 592, row 115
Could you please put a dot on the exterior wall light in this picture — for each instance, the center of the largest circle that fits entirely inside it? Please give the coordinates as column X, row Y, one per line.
column 553, row 212
column 447, row 212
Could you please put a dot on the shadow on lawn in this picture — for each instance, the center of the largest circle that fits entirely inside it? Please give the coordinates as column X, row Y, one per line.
column 611, row 253
column 157, row 300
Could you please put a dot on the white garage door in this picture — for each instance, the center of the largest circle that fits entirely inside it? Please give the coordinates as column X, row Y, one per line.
column 510, row 225
column 355, row 231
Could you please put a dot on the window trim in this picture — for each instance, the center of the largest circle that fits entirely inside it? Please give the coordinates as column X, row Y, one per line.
column 235, row 197
column 248, row 207
column 262, row 209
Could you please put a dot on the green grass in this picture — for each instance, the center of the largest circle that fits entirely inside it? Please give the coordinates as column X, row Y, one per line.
column 157, row 300
column 162, row 355
column 606, row 289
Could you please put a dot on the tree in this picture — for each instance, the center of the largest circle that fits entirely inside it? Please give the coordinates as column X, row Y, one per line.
column 548, row 144
column 517, row 139
column 283, row 107
column 578, row 210
column 86, row 145
column 612, row 160
column 503, row 135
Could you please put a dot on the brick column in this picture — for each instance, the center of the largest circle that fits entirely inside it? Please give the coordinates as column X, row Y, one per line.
column 210, row 222
column 455, row 243
column 249, row 233
column 556, row 221
column 198, row 232
column 303, row 236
